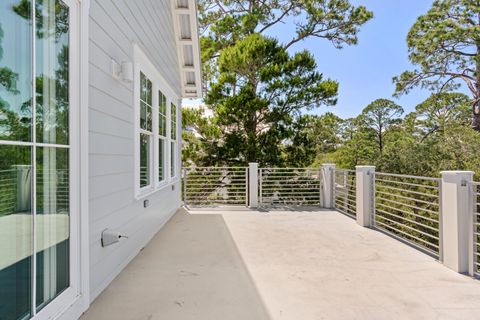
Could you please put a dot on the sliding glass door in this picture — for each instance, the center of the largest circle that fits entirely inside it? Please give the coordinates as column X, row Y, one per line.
column 35, row 155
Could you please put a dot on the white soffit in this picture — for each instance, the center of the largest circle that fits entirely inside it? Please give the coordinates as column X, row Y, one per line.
column 188, row 47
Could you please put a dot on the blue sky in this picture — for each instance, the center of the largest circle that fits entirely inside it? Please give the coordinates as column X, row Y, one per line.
column 365, row 71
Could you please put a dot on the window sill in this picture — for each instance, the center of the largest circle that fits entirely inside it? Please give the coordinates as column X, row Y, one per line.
column 142, row 194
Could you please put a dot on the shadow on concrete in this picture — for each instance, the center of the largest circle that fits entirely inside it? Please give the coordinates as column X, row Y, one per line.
column 191, row 270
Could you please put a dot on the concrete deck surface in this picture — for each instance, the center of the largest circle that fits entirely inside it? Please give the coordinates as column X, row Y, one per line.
column 237, row 265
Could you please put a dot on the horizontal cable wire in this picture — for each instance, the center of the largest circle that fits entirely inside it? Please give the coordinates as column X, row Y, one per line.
column 475, row 191
column 289, row 186
column 345, row 197
column 207, row 186
column 408, row 207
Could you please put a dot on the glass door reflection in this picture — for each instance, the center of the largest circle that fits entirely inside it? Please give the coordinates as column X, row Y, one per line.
column 34, row 155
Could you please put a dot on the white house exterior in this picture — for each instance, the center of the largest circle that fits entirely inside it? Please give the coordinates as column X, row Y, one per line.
column 96, row 151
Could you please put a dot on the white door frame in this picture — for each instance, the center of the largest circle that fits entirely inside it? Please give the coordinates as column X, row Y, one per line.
column 71, row 303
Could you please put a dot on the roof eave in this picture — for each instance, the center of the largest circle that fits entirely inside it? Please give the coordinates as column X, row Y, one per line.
column 185, row 20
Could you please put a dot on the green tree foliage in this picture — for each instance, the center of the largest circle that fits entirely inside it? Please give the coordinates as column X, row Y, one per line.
column 439, row 111
column 436, row 136
column 310, row 136
column 258, row 87
column 444, row 44
column 260, row 90
column 377, row 119
column 201, row 138
column 223, row 23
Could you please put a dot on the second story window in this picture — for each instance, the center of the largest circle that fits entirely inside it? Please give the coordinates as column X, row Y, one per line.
column 173, row 140
column 162, row 135
column 146, row 133
column 156, row 129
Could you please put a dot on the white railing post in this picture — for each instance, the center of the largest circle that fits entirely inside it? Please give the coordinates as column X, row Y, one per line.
column 23, row 176
column 328, row 185
column 365, row 176
column 184, row 187
column 253, row 185
column 457, row 221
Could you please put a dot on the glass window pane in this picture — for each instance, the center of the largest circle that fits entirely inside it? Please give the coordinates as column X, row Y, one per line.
column 149, row 119
column 161, row 160
column 161, row 122
column 15, row 70
column 164, row 126
column 52, row 223
column 143, row 87
column 15, row 232
column 172, row 158
column 162, row 111
column 173, row 121
column 149, row 92
column 52, row 71
column 143, row 115
column 144, row 160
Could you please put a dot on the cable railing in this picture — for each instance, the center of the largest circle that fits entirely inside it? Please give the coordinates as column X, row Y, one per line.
column 475, row 189
column 53, row 191
column 211, row 186
column 8, row 191
column 408, row 207
column 144, row 176
column 289, row 186
column 345, row 192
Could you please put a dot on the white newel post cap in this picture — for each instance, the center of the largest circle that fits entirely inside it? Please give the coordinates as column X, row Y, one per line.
column 365, row 168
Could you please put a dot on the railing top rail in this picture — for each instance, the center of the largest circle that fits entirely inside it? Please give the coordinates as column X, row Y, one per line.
column 475, row 183
column 407, row 176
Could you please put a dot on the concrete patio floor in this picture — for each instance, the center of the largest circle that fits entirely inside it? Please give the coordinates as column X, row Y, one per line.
column 247, row 265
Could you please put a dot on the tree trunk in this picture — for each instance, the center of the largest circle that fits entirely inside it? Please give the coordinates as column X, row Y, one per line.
column 476, row 116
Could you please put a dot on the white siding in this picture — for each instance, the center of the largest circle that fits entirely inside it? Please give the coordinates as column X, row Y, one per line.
column 114, row 26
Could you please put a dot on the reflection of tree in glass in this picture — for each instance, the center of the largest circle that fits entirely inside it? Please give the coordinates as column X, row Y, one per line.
column 51, row 96
column 61, row 17
column 15, row 126
column 7, row 76
column 60, row 101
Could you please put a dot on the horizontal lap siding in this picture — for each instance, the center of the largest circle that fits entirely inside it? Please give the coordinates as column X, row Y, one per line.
column 114, row 27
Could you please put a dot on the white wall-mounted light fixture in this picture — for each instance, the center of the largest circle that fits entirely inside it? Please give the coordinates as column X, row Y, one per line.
column 123, row 71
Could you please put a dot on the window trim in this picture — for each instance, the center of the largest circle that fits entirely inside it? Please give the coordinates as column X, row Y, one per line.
column 173, row 167
column 143, row 64
column 149, row 134
column 164, row 138
column 74, row 299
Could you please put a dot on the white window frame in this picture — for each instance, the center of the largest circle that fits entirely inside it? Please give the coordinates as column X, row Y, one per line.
column 143, row 64
column 150, row 134
column 164, row 139
column 173, row 142
column 74, row 300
